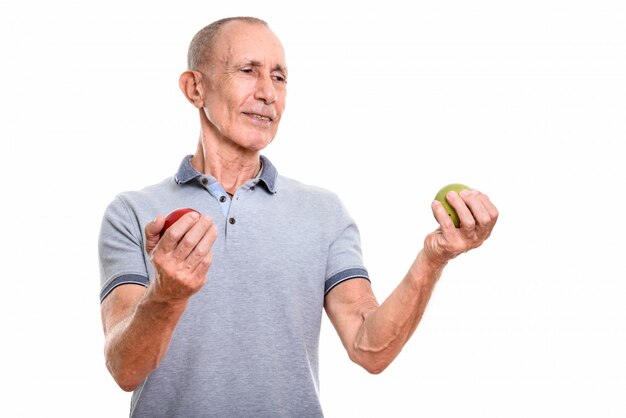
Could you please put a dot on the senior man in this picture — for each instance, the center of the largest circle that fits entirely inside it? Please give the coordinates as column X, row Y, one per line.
column 220, row 317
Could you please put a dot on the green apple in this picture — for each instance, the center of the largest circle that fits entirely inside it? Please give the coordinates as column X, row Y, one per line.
column 441, row 197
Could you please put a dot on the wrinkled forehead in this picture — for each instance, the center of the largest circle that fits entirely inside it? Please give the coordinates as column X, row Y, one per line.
column 244, row 41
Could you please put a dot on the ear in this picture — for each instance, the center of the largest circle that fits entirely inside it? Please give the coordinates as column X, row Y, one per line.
column 190, row 82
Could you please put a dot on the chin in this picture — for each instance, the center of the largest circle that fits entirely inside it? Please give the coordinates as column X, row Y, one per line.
column 257, row 142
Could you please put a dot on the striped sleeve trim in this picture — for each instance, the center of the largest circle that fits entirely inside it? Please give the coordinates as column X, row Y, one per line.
column 123, row 279
column 342, row 276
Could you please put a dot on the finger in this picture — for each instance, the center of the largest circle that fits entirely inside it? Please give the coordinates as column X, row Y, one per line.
column 465, row 215
column 192, row 238
column 202, row 248
column 442, row 216
column 493, row 215
column 473, row 200
column 152, row 231
column 175, row 233
column 202, row 268
column 491, row 208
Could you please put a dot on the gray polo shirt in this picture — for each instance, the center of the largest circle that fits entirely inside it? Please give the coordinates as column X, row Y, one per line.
column 247, row 345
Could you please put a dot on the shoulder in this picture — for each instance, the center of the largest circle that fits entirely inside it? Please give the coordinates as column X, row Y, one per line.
column 149, row 192
column 141, row 197
column 324, row 203
column 293, row 187
column 135, row 204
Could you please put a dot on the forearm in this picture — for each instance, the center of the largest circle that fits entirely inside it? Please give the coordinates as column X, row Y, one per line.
column 387, row 328
column 135, row 345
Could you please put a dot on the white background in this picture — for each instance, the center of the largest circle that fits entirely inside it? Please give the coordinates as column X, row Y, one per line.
column 387, row 102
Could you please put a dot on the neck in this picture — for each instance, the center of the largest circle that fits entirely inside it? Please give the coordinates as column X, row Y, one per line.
column 231, row 166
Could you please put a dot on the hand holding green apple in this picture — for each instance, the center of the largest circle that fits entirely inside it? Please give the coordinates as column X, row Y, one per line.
column 441, row 197
column 478, row 216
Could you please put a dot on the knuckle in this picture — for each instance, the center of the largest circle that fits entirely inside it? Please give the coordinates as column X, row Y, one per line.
column 155, row 255
column 157, row 258
column 206, row 262
column 184, row 284
column 179, row 277
column 469, row 226
column 200, row 281
column 174, row 234
column 186, row 243
column 206, row 222
column 483, row 219
column 199, row 251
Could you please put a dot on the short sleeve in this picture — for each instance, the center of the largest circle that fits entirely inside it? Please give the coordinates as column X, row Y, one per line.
column 120, row 249
column 345, row 260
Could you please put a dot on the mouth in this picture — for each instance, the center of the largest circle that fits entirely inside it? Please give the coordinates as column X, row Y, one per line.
column 259, row 117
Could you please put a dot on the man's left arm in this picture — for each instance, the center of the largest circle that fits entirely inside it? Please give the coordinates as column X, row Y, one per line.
column 374, row 334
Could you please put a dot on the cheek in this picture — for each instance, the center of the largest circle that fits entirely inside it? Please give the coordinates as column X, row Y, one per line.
column 225, row 100
column 219, row 112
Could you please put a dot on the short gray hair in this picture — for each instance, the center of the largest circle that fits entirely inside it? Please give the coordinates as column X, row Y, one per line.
column 202, row 42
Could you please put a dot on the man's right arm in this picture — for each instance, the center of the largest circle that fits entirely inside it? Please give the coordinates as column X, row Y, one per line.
column 139, row 322
column 137, row 332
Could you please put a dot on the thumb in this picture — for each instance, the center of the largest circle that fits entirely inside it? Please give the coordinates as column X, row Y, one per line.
column 152, row 232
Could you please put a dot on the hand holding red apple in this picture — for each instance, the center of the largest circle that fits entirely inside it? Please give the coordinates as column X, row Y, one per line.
column 179, row 246
column 173, row 216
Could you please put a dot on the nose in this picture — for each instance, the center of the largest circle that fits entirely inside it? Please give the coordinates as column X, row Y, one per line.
column 265, row 89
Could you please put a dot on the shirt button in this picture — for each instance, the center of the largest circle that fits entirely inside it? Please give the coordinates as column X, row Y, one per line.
column 222, row 199
column 251, row 187
column 231, row 221
column 205, row 181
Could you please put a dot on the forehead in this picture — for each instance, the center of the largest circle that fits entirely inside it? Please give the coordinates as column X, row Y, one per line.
column 244, row 41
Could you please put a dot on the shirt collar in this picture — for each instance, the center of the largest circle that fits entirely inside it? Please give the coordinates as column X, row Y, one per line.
column 267, row 176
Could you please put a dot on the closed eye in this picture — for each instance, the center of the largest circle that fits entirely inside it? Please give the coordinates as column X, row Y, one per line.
column 279, row 78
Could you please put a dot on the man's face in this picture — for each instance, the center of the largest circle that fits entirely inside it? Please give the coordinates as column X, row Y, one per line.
column 245, row 85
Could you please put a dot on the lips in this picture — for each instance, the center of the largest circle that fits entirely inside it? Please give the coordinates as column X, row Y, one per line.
column 259, row 116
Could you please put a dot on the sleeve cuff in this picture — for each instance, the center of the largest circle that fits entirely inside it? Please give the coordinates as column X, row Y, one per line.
column 342, row 276
column 123, row 279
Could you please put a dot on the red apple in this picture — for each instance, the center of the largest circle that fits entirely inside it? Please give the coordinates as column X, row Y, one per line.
column 174, row 216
